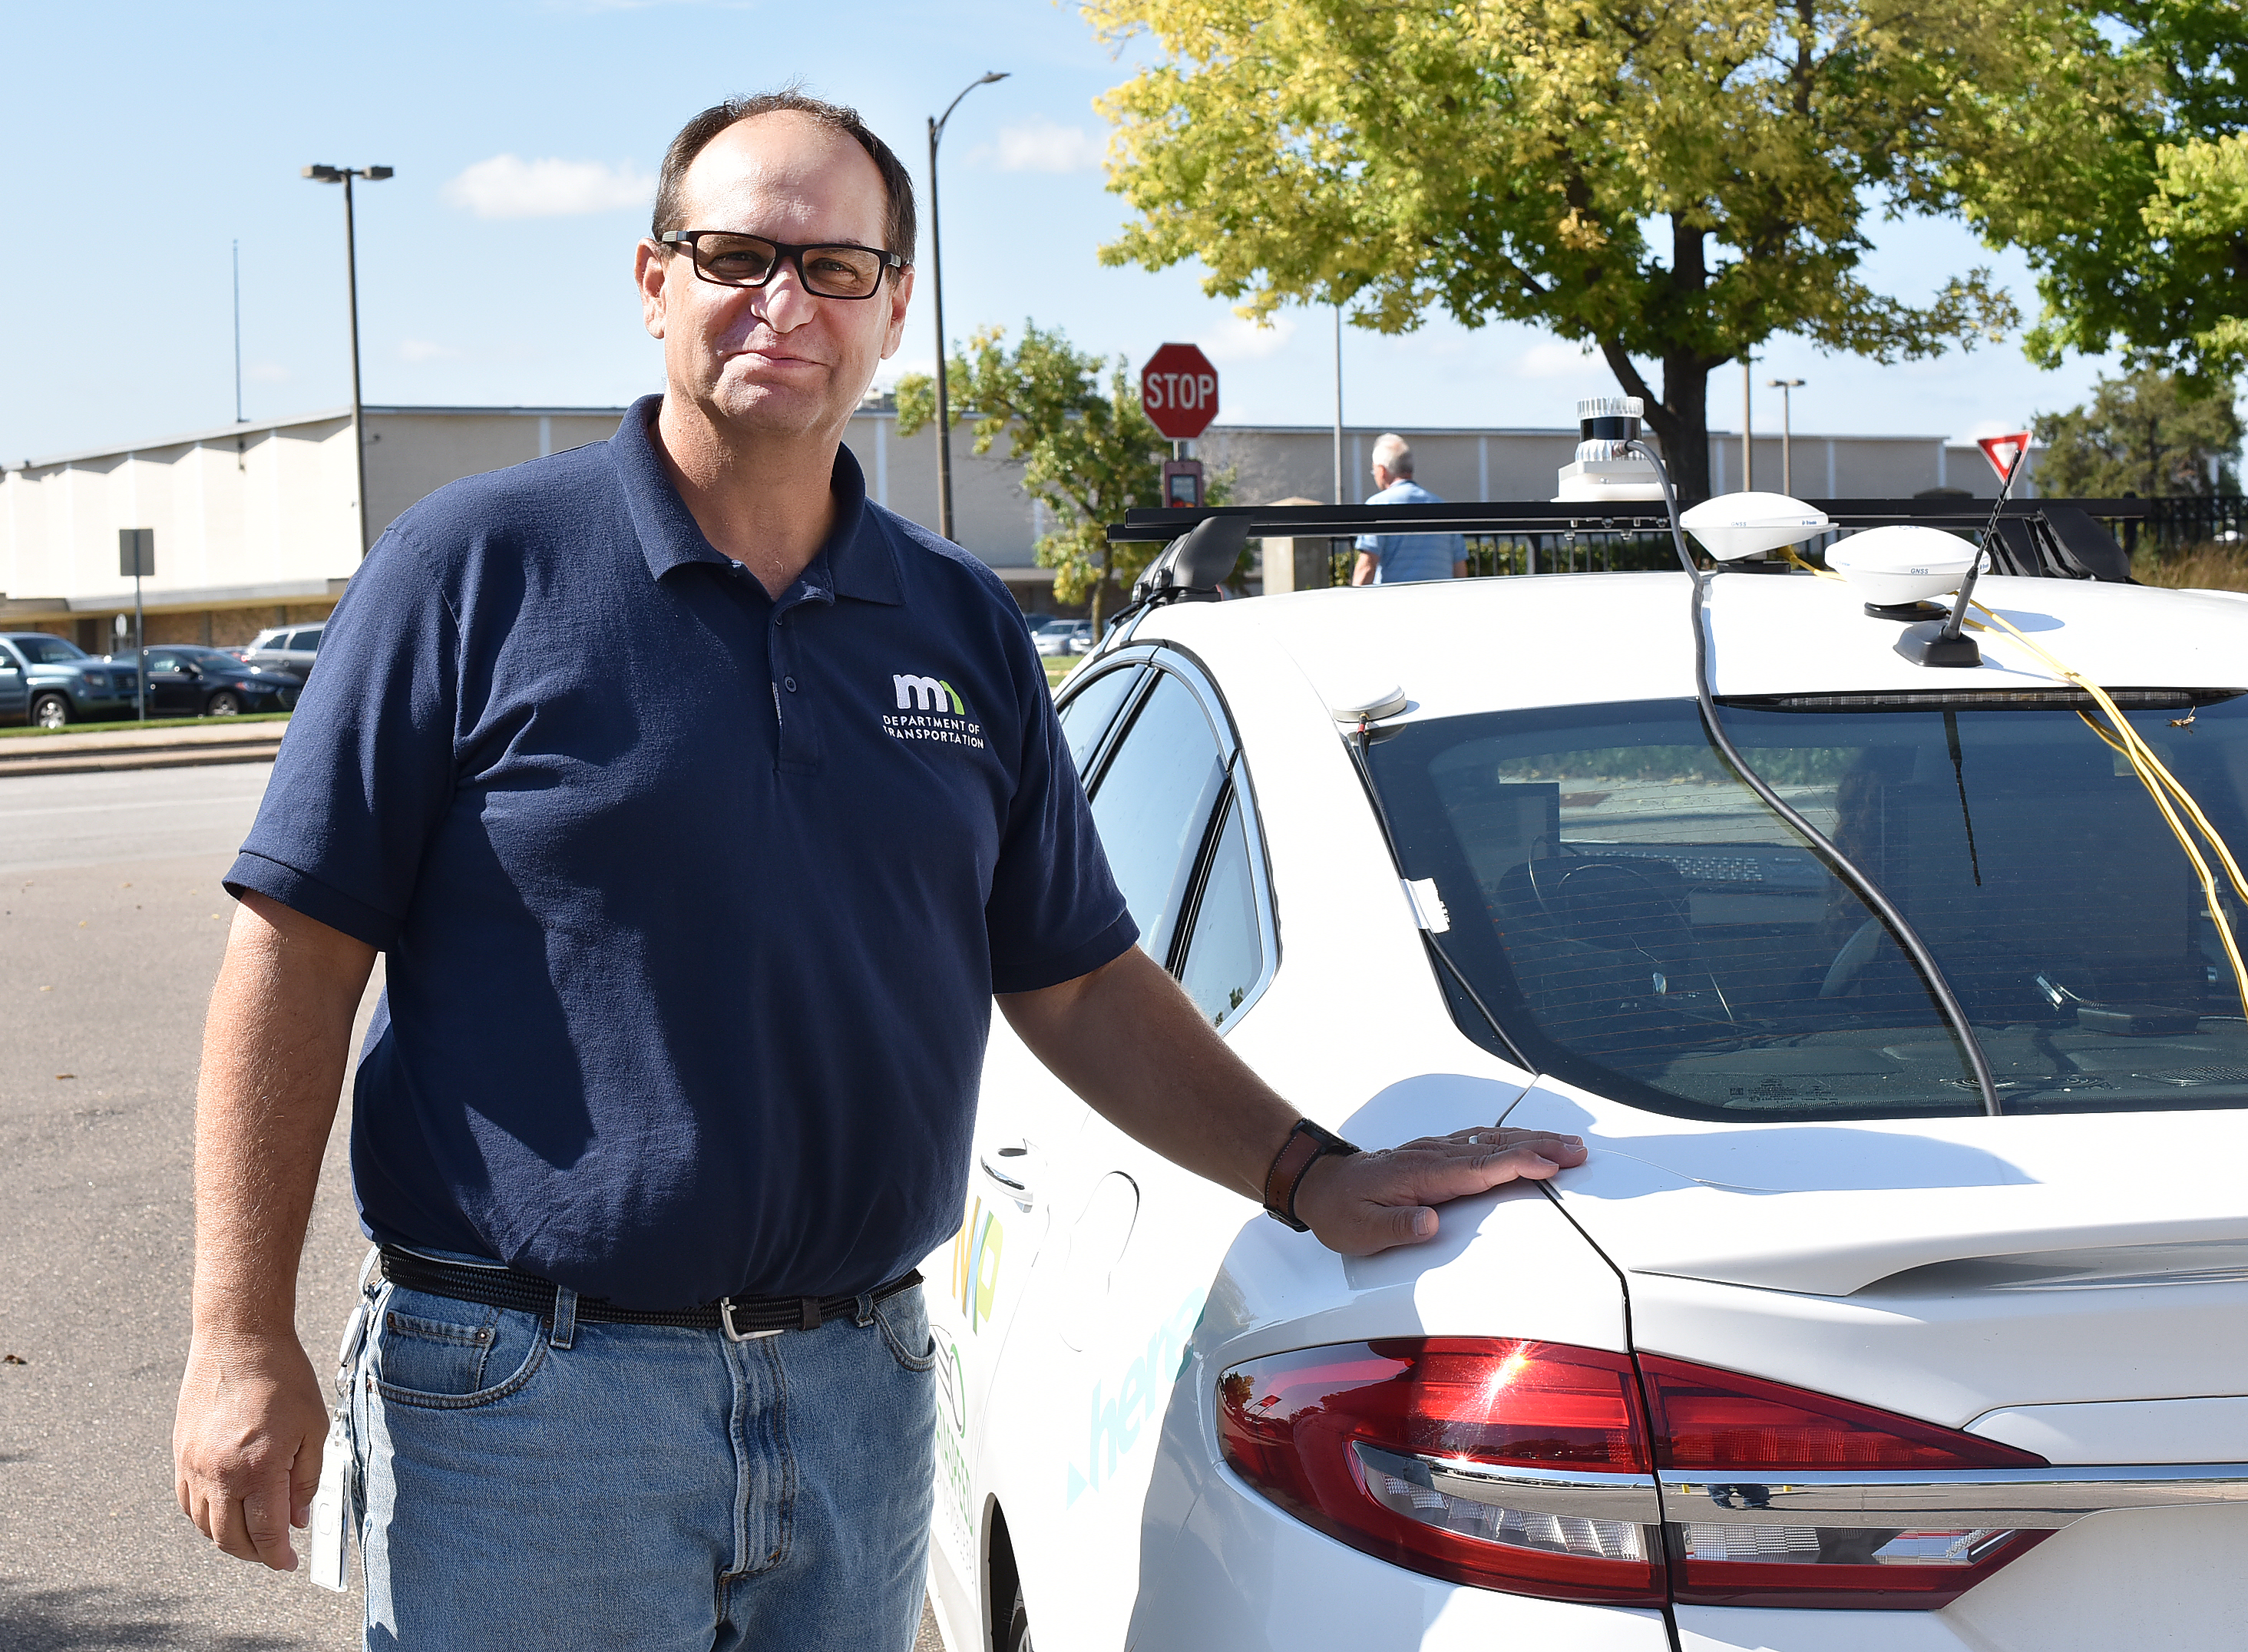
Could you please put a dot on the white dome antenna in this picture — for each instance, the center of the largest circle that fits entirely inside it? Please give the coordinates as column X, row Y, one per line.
column 1734, row 526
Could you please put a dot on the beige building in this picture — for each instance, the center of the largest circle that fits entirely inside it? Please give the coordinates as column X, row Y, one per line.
column 256, row 524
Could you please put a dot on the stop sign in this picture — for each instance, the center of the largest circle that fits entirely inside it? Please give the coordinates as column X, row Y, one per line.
column 1179, row 389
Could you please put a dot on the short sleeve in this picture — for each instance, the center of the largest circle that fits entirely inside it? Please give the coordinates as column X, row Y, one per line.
column 1055, row 912
column 366, row 770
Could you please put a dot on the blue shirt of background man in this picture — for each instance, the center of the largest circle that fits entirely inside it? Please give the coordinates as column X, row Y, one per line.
column 692, row 901
column 1403, row 556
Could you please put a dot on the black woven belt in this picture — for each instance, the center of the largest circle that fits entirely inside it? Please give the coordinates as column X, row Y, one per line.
column 738, row 1317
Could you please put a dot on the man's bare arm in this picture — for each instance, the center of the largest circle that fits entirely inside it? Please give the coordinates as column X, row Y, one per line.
column 1363, row 571
column 1130, row 1041
column 246, row 1443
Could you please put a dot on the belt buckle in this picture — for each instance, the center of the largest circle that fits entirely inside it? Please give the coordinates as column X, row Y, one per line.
column 726, row 1325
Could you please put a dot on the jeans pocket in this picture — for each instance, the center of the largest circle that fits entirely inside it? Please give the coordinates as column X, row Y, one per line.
column 904, row 1320
column 436, row 1352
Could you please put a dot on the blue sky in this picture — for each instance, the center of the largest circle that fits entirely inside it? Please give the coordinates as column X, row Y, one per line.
column 494, row 269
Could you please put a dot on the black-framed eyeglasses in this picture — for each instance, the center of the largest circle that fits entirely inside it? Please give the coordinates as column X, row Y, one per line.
column 836, row 269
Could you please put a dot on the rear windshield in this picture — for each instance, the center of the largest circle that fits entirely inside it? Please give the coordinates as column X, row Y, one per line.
column 1641, row 925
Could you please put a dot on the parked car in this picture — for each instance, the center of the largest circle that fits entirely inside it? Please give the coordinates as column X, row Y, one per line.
column 286, row 647
column 51, row 681
column 1065, row 637
column 1813, row 1355
column 187, row 681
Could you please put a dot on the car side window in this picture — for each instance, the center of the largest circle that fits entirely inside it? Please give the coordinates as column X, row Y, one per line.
column 1088, row 712
column 1225, row 950
column 1152, row 804
column 163, row 663
column 308, row 642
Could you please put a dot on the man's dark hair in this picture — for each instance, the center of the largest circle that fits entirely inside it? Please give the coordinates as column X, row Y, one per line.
column 898, row 227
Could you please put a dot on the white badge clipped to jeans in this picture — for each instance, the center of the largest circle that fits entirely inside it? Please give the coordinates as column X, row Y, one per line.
column 327, row 1566
column 328, row 1559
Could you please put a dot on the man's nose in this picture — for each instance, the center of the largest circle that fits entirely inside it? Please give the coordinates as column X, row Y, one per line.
column 787, row 303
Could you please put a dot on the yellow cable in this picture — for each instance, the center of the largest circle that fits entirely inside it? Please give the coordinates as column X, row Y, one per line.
column 2160, row 785
column 1788, row 551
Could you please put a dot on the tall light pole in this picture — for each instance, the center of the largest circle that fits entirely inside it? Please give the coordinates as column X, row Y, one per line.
column 1337, row 425
column 344, row 176
column 937, row 286
column 1786, row 431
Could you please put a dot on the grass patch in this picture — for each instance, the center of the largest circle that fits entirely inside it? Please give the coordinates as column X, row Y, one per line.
column 128, row 725
column 1059, row 667
column 2204, row 567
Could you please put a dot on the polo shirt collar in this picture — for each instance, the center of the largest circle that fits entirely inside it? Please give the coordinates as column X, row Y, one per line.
column 857, row 559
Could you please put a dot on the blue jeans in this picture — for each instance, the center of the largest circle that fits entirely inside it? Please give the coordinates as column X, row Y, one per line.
column 615, row 1488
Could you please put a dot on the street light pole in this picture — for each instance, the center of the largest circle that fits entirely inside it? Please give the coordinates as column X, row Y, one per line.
column 344, row 176
column 937, row 284
column 1787, row 431
column 1338, row 422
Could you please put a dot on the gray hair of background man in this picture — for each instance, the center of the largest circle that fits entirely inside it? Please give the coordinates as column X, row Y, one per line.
column 1393, row 453
column 898, row 229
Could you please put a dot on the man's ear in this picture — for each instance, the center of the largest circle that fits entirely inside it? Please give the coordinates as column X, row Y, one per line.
column 650, row 268
column 900, row 295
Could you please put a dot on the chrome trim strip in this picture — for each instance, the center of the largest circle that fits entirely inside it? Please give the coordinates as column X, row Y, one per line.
column 1627, row 1497
column 2037, row 1499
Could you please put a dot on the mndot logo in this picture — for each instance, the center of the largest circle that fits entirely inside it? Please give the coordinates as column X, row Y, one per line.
column 928, row 694
column 930, row 708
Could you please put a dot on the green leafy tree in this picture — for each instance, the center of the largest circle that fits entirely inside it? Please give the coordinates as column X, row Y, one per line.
column 1073, row 421
column 2125, row 181
column 1673, row 182
column 2139, row 435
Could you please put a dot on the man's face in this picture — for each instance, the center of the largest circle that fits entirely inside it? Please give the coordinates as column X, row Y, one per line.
column 774, row 359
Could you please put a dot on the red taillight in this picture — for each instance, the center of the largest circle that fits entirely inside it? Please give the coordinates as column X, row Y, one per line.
column 1531, row 1467
column 1725, row 1442
column 1509, row 1464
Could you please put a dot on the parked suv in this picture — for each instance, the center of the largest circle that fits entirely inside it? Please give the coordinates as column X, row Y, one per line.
column 51, row 681
column 287, row 648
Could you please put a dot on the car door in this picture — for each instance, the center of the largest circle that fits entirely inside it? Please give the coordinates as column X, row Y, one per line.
column 15, row 687
column 1121, row 1283
column 172, row 691
column 1026, row 1120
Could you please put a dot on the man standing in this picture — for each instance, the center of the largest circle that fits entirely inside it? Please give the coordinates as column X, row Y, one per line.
column 1396, row 559
column 690, row 953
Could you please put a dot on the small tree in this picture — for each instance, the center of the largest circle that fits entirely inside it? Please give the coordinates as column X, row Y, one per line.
column 1074, row 423
column 2140, row 436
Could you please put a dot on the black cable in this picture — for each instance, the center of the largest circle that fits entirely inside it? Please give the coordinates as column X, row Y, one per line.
column 1863, row 887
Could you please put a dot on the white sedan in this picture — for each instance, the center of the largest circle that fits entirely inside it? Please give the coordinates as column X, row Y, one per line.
column 1816, row 1354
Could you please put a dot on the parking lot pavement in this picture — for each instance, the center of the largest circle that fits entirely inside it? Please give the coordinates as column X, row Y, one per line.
column 111, row 923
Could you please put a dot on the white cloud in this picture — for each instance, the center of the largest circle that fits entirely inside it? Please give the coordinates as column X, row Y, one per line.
column 507, row 186
column 1554, row 359
column 424, row 350
column 1038, row 145
column 1241, row 340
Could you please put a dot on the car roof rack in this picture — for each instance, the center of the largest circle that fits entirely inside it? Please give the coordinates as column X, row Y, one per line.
column 2037, row 538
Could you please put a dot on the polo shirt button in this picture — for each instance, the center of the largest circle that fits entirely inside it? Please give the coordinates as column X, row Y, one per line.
column 789, row 683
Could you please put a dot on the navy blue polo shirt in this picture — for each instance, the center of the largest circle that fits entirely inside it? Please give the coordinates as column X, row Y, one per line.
column 692, row 901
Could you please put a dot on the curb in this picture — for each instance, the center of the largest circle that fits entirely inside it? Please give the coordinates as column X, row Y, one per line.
column 164, row 749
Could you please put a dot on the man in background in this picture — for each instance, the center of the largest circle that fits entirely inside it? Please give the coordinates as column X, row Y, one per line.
column 1400, row 558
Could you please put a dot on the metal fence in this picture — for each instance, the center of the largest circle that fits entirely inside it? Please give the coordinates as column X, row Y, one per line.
column 2182, row 523
column 1588, row 552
